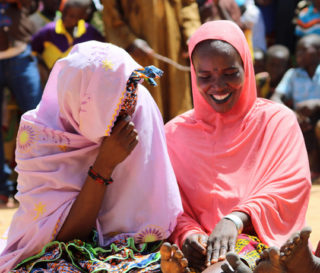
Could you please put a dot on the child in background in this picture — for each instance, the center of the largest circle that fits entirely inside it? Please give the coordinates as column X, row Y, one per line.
column 56, row 39
column 259, row 60
column 308, row 20
column 277, row 63
column 302, row 85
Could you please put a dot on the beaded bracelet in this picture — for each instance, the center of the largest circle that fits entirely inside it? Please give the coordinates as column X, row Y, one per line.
column 97, row 177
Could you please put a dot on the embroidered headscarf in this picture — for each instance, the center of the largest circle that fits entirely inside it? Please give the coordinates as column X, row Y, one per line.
column 60, row 139
column 250, row 159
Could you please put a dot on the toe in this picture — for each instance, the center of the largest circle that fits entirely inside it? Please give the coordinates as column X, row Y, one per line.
column 178, row 255
column 184, row 262
column 264, row 254
column 226, row 269
column 233, row 259
column 274, row 255
column 305, row 234
column 165, row 251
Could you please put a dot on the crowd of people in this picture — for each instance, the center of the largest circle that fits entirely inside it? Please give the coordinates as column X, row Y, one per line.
column 102, row 182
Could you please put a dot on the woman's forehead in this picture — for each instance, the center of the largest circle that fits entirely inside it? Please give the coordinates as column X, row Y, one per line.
column 209, row 48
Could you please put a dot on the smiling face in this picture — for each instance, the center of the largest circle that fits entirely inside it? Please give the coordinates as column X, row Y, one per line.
column 219, row 73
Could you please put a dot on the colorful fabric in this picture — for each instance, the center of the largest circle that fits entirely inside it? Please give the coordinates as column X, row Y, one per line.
column 250, row 159
column 264, row 89
column 77, row 256
column 308, row 21
column 59, row 140
column 53, row 41
column 297, row 85
column 249, row 249
column 148, row 73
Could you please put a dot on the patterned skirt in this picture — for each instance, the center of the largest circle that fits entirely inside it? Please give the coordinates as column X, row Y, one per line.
column 121, row 256
column 77, row 256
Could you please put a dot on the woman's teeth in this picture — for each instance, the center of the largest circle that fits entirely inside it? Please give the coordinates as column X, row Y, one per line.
column 220, row 97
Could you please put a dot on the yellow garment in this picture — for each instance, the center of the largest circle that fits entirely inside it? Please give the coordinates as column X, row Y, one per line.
column 166, row 25
column 51, row 52
column 248, row 35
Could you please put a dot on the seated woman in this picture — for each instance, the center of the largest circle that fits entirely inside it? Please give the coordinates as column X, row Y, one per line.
column 240, row 161
column 92, row 159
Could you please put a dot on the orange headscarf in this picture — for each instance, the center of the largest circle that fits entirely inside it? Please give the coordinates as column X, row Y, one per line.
column 250, row 159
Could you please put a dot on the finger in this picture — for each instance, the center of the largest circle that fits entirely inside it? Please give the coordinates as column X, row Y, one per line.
column 132, row 136
column 126, row 130
column 197, row 246
column 209, row 254
column 215, row 253
column 120, row 124
column 133, row 144
column 223, row 250
column 231, row 245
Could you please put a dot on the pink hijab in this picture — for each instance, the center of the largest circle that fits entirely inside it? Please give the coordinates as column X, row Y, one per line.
column 59, row 140
column 250, row 159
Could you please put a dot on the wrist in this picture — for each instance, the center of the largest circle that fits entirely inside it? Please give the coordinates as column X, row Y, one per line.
column 103, row 169
column 236, row 220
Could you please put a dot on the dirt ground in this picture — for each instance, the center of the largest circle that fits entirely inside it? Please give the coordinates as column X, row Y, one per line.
column 313, row 216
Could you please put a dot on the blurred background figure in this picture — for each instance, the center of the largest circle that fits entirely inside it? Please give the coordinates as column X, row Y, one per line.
column 308, row 19
column 145, row 27
column 301, row 85
column 56, row 39
column 243, row 12
column 47, row 12
column 19, row 79
column 277, row 62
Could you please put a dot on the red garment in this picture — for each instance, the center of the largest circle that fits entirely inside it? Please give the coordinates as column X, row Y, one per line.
column 250, row 159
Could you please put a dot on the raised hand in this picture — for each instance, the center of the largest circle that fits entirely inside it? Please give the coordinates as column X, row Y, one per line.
column 116, row 147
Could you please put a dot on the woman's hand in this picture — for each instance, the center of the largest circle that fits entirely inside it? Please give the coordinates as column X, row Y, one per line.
column 194, row 250
column 116, row 147
column 222, row 240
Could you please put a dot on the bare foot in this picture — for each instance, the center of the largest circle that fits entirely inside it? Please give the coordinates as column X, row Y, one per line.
column 172, row 259
column 297, row 256
column 237, row 265
column 270, row 262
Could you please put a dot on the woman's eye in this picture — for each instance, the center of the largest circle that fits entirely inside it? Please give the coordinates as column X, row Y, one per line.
column 203, row 77
column 231, row 73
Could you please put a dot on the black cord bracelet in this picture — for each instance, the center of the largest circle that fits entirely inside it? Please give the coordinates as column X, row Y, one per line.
column 97, row 177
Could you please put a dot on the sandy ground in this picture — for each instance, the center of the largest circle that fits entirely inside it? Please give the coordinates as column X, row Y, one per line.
column 313, row 216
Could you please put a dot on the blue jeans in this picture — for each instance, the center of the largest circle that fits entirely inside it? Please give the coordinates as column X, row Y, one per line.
column 20, row 74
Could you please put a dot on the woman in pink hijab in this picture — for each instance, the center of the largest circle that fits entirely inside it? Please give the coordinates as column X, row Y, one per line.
column 92, row 157
column 240, row 161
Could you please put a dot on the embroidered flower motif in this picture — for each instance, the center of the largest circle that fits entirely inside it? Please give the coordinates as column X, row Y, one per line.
column 149, row 234
column 107, row 65
column 26, row 137
column 63, row 148
column 40, row 209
